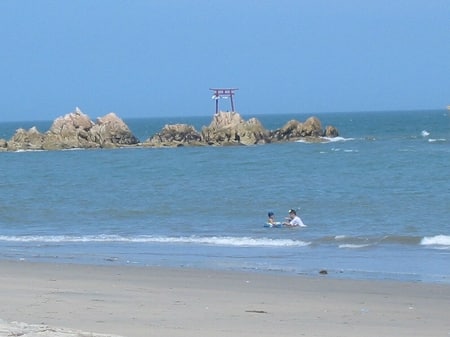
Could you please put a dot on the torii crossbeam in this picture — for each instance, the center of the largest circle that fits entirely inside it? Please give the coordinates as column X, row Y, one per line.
column 223, row 93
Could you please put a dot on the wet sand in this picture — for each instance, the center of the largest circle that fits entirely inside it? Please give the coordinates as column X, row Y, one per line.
column 64, row 300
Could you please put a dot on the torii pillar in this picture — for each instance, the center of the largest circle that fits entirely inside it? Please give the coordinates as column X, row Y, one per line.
column 223, row 93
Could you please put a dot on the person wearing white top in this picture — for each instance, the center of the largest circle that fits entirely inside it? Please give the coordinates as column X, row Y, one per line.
column 294, row 220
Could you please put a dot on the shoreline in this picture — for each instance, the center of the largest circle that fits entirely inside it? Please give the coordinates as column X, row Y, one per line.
column 133, row 301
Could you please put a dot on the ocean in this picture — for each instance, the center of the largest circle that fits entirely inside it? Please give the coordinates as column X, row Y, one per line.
column 376, row 200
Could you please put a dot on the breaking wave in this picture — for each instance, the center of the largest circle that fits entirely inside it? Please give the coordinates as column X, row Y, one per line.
column 442, row 241
column 211, row 240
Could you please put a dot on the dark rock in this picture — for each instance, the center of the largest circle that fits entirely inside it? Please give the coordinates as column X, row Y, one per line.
column 175, row 135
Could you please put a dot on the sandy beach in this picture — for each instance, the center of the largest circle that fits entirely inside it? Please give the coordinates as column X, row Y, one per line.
column 64, row 300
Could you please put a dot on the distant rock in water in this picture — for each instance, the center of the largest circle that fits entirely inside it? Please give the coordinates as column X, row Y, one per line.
column 229, row 128
column 77, row 130
column 331, row 132
column 74, row 130
column 111, row 131
column 175, row 135
column 23, row 139
column 294, row 130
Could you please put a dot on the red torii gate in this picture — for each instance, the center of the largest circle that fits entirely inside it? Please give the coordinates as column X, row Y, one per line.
column 223, row 93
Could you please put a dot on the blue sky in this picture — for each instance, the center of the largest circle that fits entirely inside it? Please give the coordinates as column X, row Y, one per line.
column 159, row 58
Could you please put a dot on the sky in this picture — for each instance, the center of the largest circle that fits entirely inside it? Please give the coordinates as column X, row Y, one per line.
column 159, row 58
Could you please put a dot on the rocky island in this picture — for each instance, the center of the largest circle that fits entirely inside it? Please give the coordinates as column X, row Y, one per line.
column 77, row 130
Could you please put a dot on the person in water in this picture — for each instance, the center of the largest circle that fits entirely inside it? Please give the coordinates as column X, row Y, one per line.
column 271, row 218
column 293, row 220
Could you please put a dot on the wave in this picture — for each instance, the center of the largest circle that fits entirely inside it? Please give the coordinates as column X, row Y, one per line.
column 437, row 240
column 342, row 241
column 326, row 140
column 347, row 241
column 336, row 139
column 353, row 246
column 211, row 240
column 438, row 140
column 29, row 150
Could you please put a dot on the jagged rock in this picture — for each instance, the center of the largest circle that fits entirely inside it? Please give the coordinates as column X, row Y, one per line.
column 312, row 128
column 3, row 144
column 294, row 130
column 252, row 132
column 175, row 135
column 26, row 140
column 331, row 132
column 230, row 128
column 70, row 131
column 111, row 131
column 75, row 130
column 70, row 123
column 291, row 129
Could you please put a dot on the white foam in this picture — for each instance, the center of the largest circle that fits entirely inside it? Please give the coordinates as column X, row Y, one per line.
column 23, row 329
column 29, row 150
column 337, row 139
column 425, row 133
column 353, row 246
column 432, row 140
column 438, row 240
column 326, row 140
column 211, row 240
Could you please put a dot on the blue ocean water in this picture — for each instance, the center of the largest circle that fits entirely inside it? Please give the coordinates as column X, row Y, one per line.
column 376, row 200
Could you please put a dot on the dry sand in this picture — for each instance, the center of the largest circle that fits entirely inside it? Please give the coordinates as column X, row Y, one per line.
column 63, row 300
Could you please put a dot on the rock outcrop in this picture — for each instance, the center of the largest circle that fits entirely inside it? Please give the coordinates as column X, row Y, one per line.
column 23, row 139
column 331, row 132
column 70, row 131
column 229, row 128
column 294, row 130
column 3, row 145
column 75, row 130
column 111, row 131
column 176, row 135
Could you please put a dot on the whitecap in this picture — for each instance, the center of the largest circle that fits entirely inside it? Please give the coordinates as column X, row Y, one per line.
column 437, row 240
column 353, row 246
column 326, row 140
column 210, row 240
column 336, row 139
column 425, row 133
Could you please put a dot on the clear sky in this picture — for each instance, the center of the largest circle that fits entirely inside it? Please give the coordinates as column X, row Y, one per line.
column 160, row 57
